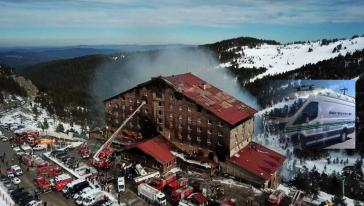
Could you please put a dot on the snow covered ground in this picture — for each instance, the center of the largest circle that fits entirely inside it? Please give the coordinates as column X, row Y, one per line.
column 24, row 117
column 182, row 156
column 281, row 58
column 323, row 196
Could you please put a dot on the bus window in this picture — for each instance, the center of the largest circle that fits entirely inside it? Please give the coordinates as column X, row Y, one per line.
column 309, row 113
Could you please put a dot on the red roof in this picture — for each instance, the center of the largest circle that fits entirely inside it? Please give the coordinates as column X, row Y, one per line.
column 211, row 98
column 258, row 160
column 157, row 148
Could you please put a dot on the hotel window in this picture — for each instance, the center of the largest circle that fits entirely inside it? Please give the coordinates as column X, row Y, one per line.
column 209, row 121
column 219, row 134
column 160, row 112
column 170, row 125
column 208, row 140
column 209, row 132
column 131, row 108
column 146, row 111
column 131, row 125
column 180, row 117
column 199, row 108
column 171, row 107
column 180, row 108
column 159, row 120
column 180, row 126
column 189, row 137
column 198, row 139
column 198, row 130
column 138, row 102
column 189, row 119
column 179, row 135
column 123, row 107
column 189, row 109
column 220, row 124
column 159, row 103
column 189, row 128
column 138, row 126
column 198, row 121
column 171, row 116
column 160, row 128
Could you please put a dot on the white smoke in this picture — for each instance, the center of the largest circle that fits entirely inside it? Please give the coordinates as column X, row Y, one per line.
column 136, row 68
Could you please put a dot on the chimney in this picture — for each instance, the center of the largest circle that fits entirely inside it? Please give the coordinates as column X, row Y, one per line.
column 204, row 86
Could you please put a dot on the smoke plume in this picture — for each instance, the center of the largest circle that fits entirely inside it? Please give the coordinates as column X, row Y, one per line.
column 132, row 69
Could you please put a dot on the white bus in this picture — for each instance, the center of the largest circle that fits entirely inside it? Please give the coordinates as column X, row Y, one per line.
column 318, row 117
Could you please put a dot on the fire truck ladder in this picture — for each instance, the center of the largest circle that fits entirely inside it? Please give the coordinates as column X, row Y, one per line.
column 108, row 142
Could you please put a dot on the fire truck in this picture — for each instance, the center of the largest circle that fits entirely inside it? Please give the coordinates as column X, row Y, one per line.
column 43, row 184
column 161, row 182
column 101, row 158
column 181, row 193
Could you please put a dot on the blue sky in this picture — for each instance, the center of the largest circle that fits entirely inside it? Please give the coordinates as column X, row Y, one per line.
column 75, row 22
column 334, row 84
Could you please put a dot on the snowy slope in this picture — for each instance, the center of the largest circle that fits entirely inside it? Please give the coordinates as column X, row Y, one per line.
column 24, row 116
column 281, row 58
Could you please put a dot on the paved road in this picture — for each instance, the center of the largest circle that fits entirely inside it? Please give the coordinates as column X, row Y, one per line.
column 52, row 198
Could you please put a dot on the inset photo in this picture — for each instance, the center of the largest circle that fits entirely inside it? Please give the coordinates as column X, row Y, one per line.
column 312, row 114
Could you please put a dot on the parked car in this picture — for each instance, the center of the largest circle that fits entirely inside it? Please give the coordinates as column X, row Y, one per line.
column 16, row 180
column 18, row 190
column 4, row 139
column 17, row 170
column 10, row 173
column 26, row 200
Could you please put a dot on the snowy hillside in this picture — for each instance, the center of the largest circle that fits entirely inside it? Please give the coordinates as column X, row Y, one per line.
column 281, row 58
column 23, row 118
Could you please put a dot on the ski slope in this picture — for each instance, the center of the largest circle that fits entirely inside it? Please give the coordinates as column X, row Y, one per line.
column 282, row 58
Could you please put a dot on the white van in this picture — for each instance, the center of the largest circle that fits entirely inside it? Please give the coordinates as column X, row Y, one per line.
column 121, row 184
column 91, row 199
column 319, row 117
column 83, row 197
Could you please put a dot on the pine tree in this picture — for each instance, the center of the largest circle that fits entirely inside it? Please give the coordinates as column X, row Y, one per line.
column 60, row 128
column 338, row 200
column 45, row 124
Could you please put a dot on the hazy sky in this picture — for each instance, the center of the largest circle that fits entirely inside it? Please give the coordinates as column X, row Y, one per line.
column 74, row 22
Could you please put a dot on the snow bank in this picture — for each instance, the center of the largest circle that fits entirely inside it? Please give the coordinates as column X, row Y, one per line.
column 23, row 119
column 323, row 196
column 182, row 156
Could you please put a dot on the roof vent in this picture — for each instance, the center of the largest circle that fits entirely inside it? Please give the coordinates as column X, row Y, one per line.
column 204, row 86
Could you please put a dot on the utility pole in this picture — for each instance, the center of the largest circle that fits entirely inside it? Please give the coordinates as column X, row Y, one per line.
column 344, row 90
